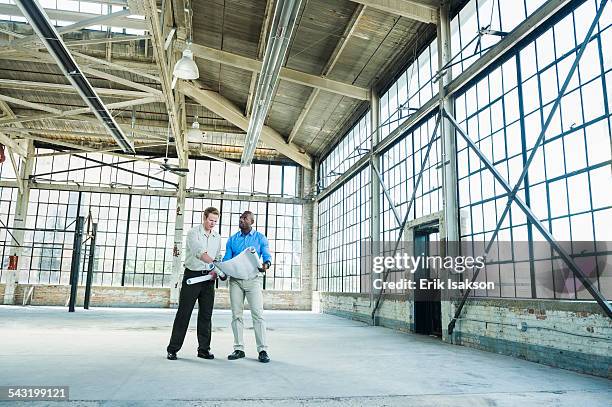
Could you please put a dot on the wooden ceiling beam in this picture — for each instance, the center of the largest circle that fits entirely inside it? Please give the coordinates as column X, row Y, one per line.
column 226, row 109
column 291, row 75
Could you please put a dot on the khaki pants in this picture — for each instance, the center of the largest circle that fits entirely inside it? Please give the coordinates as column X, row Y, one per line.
column 253, row 291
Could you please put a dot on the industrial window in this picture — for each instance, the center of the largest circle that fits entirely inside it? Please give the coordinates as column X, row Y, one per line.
column 413, row 88
column 96, row 169
column 400, row 166
column 497, row 16
column 256, row 179
column 356, row 142
column 344, row 233
column 48, row 241
column 504, row 113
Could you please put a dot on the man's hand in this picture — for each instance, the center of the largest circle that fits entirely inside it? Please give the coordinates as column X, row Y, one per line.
column 206, row 258
column 264, row 267
column 213, row 275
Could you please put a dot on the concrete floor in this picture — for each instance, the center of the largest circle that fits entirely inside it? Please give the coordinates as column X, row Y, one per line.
column 116, row 357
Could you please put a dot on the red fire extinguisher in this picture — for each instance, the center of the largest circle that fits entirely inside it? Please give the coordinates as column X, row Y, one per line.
column 2, row 156
column 13, row 262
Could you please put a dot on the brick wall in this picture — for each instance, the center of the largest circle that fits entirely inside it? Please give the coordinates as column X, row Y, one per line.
column 574, row 335
column 146, row 297
column 395, row 312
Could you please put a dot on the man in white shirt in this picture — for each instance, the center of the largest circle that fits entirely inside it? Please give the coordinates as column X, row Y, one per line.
column 202, row 247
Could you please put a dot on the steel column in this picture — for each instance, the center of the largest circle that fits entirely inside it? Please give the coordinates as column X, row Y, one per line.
column 177, row 251
column 449, row 144
column 374, row 188
column 90, row 265
column 19, row 221
column 76, row 260
column 127, row 237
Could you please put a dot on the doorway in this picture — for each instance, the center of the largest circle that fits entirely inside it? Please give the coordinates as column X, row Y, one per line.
column 427, row 305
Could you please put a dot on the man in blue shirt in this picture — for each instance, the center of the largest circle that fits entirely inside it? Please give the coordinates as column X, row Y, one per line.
column 251, row 289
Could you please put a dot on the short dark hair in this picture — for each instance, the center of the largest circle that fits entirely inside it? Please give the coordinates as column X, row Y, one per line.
column 210, row 210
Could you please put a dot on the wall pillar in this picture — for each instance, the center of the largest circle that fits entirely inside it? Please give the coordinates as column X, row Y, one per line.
column 375, row 210
column 309, row 238
column 19, row 221
column 450, row 218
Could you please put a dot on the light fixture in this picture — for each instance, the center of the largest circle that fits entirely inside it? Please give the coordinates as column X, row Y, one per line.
column 194, row 134
column 186, row 68
column 277, row 46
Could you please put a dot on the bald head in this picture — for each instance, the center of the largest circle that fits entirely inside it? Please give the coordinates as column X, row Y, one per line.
column 245, row 223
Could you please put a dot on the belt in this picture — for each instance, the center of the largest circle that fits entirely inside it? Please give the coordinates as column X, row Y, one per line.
column 201, row 272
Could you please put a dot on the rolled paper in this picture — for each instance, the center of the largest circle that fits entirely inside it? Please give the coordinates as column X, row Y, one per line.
column 245, row 266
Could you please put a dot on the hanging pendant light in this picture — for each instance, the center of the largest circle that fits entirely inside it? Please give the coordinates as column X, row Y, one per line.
column 194, row 134
column 186, row 68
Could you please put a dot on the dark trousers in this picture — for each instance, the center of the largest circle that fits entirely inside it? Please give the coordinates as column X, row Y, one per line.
column 204, row 292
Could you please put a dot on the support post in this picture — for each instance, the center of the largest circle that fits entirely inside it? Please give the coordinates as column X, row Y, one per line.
column 374, row 193
column 310, row 190
column 90, row 265
column 449, row 144
column 177, row 251
column 450, row 226
column 19, row 222
column 76, row 261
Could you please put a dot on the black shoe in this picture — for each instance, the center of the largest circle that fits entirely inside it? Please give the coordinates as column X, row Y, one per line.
column 171, row 355
column 263, row 357
column 204, row 354
column 238, row 354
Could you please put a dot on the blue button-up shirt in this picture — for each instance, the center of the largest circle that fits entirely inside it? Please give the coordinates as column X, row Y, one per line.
column 238, row 242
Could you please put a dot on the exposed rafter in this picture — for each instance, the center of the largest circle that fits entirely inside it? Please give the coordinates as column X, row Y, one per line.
column 122, row 81
column 113, row 65
column 94, row 41
column 7, row 141
column 78, row 111
column 226, row 109
column 42, row 57
column 350, row 28
column 57, row 87
column 31, row 105
column 60, row 143
column 80, row 24
column 149, row 7
column 43, row 27
column 405, row 8
column 291, row 75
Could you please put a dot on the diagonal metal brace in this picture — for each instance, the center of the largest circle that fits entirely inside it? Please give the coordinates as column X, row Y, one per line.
column 409, row 209
column 511, row 195
column 601, row 300
column 387, row 195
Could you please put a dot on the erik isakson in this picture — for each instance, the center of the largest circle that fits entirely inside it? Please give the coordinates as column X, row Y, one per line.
column 435, row 284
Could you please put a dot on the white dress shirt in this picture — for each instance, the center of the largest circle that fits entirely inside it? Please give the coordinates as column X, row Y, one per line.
column 199, row 242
